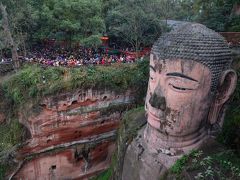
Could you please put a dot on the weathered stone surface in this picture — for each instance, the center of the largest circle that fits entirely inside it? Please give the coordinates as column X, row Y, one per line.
column 69, row 164
column 132, row 121
column 72, row 134
column 143, row 162
column 140, row 163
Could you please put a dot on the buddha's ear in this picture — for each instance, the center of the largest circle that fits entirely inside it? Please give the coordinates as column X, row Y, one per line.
column 225, row 89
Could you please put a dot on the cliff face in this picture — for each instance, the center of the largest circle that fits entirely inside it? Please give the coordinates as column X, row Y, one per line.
column 72, row 134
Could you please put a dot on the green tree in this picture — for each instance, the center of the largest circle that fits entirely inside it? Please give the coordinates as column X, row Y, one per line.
column 134, row 22
column 9, row 39
column 108, row 5
column 70, row 20
column 216, row 14
column 16, row 24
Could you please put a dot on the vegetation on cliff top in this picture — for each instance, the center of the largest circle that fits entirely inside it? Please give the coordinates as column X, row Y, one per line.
column 35, row 82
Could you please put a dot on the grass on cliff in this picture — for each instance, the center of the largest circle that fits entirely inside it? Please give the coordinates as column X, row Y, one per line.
column 10, row 135
column 35, row 82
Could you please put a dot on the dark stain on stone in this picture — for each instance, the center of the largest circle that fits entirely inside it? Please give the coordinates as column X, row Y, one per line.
column 179, row 152
column 163, row 125
column 158, row 66
column 141, row 150
column 158, row 102
column 182, row 65
column 155, row 57
column 82, row 153
column 167, row 112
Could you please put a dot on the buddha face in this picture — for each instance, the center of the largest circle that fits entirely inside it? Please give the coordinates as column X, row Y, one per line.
column 178, row 97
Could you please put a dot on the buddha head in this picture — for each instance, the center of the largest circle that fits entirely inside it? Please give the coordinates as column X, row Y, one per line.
column 190, row 80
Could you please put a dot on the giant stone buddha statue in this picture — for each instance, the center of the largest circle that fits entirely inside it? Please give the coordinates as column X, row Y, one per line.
column 190, row 81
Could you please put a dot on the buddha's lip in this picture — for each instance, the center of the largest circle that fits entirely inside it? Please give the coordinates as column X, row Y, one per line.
column 155, row 117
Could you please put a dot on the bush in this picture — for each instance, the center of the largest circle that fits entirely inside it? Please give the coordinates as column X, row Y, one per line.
column 10, row 134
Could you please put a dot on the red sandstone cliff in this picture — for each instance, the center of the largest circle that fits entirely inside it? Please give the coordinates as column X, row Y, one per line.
column 72, row 134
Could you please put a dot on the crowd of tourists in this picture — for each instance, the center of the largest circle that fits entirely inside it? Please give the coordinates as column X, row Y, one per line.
column 78, row 57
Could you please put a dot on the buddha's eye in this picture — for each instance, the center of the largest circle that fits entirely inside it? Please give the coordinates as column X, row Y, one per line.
column 179, row 88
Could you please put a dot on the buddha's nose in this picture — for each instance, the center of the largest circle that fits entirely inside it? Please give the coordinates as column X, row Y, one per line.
column 157, row 101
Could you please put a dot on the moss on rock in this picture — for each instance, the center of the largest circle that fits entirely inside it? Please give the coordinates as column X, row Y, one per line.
column 132, row 121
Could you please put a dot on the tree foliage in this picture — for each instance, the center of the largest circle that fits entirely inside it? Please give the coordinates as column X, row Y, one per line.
column 7, row 32
column 70, row 20
column 216, row 14
column 129, row 22
column 20, row 17
column 135, row 22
